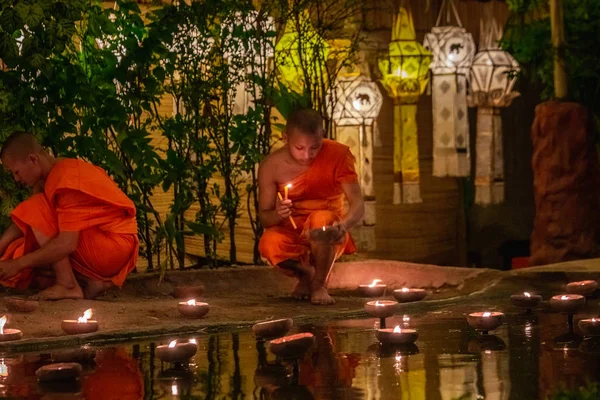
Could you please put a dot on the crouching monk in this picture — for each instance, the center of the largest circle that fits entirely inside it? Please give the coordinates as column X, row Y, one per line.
column 77, row 221
column 322, row 175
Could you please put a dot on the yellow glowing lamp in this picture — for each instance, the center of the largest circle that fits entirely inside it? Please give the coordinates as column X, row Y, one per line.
column 300, row 50
column 405, row 77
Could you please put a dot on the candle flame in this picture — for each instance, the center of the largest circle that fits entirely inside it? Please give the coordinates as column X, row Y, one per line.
column 2, row 323
column 527, row 294
column 193, row 341
column 375, row 282
column 172, row 344
column 593, row 319
column 405, row 289
column 487, row 314
column 378, row 304
column 86, row 315
column 323, row 228
column 563, row 297
column 174, row 390
column 3, row 369
column 289, row 186
column 191, row 302
column 397, row 329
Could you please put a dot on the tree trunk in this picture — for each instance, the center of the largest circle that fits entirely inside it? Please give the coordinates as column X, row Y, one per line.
column 566, row 180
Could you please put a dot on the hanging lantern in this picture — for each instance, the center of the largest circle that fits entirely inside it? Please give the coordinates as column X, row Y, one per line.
column 255, row 50
column 404, row 73
column 358, row 105
column 453, row 49
column 301, row 51
column 491, row 80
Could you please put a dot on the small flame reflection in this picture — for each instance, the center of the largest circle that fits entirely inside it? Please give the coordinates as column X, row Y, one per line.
column 87, row 314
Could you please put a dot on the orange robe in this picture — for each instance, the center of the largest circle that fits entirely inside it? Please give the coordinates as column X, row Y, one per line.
column 318, row 200
column 116, row 377
column 79, row 196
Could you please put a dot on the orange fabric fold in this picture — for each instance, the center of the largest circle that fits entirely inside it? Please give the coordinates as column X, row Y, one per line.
column 116, row 377
column 318, row 200
column 80, row 197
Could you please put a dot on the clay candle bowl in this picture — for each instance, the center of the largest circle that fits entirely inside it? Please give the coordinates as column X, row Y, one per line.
column 177, row 352
column 567, row 303
column 83, row 324
column 273, row 329
column 396, row 335
column 525, row 300
column 292, row 346
column 7, row 335
column 584, row 288
column 192, row 309
column 407, row 295
column 58, row 372
column 381, row 308
column 375, row 289
column 17, row 304
column 590, row 326
column 485, row 321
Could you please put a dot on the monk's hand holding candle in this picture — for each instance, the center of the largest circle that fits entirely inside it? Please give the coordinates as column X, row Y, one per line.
column 339, row 235
column 284, row 208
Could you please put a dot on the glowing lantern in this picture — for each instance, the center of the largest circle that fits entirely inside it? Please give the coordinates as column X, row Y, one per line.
column 301, row 51
column 453, row 50
column 405, row 78
column 491, row 87
column 358, row 105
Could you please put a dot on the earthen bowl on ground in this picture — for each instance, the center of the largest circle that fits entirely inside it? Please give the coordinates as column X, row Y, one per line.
column 10, row 335
column 58, row 372
column 381, row 308
column 72, row 327
column 589, row 326
column 21, row 305
column 181, row 352
column 567, row 303
column 272, row 329
column 197, row 310
column 410, row 295
column 376, row 290
column 292, row 346
column 188, row 292
column 584, row 288
column 482, row 323
column 388, row 336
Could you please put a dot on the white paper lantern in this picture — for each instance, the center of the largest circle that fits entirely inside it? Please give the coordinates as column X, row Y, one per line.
column 492, row 78
column 453, row 50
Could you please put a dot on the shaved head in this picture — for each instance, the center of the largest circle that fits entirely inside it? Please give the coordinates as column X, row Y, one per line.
column 19, row 145
column 306, row 121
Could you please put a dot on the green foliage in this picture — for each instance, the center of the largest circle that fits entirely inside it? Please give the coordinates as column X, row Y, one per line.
column 528, row 39
column 589, row 392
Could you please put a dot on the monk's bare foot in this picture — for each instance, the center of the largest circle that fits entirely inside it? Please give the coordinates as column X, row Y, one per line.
column 321, row 296
column 95, row 288
column 302, row 290
column 59, row 292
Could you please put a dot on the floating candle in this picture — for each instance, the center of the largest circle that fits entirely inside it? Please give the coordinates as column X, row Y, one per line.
column 525, row 300
column 407, row 295
column 485, row 321
column 568, row 303
column 176, row 351
column 397, row 335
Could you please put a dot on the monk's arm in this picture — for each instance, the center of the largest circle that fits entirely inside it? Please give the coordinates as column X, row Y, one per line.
column 11, row 234
column 267, row 195
column 57, row 248
column 356, row 205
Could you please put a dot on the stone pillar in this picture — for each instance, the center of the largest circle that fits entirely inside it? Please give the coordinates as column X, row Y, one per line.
column 566, row 183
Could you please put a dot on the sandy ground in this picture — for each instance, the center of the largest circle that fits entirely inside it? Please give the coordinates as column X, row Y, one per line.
column 241, row 296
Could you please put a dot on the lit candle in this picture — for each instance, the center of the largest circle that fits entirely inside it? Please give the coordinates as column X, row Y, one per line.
column 374, row 289
column 375, row 281
column 193, row 308
column 590, row 326
column 397, row 335
column 525, row 300
column 177, row 351
column 285, row 190
column 83, row 324
column 485, row 321
column 407, row 295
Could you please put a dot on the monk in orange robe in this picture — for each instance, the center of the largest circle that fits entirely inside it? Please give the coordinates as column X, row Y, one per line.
column 322, row 175
column 77, row 221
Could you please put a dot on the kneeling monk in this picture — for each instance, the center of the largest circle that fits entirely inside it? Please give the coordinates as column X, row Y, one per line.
column 321, row 174
column 77, row 222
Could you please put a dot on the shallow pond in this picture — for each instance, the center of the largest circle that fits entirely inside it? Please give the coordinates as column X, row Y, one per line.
column 523, row 359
